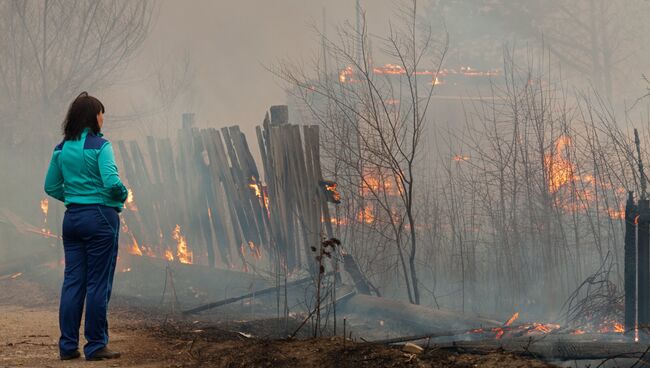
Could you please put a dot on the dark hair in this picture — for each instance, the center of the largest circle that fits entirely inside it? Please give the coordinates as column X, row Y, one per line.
column 82, row 114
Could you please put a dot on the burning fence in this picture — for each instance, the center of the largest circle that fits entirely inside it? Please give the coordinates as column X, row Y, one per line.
column 204, row 202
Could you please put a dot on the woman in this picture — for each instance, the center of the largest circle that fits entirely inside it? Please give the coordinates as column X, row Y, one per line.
column 83, row 175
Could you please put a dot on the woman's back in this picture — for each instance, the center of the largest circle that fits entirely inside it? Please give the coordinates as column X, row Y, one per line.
column 87, row 171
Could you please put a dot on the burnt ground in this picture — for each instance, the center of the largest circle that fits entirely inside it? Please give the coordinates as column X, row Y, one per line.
column 150, row 338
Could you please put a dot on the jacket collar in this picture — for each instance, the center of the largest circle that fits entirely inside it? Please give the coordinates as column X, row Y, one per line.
column 87, row 131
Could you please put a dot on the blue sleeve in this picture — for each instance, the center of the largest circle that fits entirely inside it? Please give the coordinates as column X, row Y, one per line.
column 110, row 176
column 54, row 178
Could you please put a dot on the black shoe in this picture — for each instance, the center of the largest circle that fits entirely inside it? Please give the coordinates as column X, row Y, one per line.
column 73, row 355
column 104, row 353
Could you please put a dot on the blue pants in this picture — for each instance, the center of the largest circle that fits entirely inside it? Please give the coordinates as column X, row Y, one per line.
column 90, row 236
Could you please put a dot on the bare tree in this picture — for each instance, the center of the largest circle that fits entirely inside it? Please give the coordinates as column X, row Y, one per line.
column 51, row 49
column 376, row 123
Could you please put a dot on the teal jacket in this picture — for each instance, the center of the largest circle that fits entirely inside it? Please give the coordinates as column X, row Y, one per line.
column 84, row 172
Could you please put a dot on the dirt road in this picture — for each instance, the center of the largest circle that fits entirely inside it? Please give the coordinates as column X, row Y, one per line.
column 29, row 335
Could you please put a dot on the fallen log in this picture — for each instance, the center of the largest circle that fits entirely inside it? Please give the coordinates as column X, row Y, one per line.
column 420, row 319
column 249, row 295
column 550, row 347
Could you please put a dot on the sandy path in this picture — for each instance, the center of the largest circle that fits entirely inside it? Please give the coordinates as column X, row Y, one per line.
column 29, row 337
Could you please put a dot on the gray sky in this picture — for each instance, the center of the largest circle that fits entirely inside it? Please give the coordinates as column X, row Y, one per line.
column 229, row 44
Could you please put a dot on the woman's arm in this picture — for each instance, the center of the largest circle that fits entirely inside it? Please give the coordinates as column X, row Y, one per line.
column 54, row 178
column 110, row 176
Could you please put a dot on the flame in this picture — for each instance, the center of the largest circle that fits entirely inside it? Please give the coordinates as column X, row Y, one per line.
column 616, row 213
column 367, row 214
column 337, row 221
column 169, row 255
column 611, row 326
column 512, row 319
column 460, row 158
column 130, row 201
column 134, row 248
column 256, row 187
column 184, row 255
column 499, row 332
column 45, row 205
column 346, row 74
column 336, row 196
column 128, row 269
column 374, row 182
column 559, row 169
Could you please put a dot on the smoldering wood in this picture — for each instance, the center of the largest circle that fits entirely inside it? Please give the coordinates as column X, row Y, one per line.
column 559, row 347
column 421, row 320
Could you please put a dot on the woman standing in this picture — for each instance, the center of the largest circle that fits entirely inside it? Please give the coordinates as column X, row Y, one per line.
column 83, row 175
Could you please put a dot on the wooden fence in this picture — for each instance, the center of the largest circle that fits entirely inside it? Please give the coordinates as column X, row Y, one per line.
column 201, row 199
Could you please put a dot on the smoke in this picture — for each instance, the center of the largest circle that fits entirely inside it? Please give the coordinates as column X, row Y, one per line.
column 230, row 45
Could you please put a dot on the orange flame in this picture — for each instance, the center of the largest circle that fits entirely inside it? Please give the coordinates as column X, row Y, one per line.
column 336, row 196
column 256, row 187
column 367, row 214
column 184, row 255
column 499, row 332
column 615, row 213
column 559, row 169
column 130, row 201
column 134, row 248
column 346, row 74
column 512, row 319
column 169, row 255
column 45, row 207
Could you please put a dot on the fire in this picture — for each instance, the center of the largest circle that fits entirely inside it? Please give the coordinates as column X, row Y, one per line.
column 616, row 213
column 367, row 214
column 373, row 182
column 44, row 208
column 337, row 221
column 45, row 205
column 336, row 196
column 256, row 187
column 134, row 248
column 460, row 158
column 184, row 255
column 559, row 169
column 612, row 326
column 512, row 319
column 169, row 255
column 499, row 332
column 346, row 74
column 130, row 201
